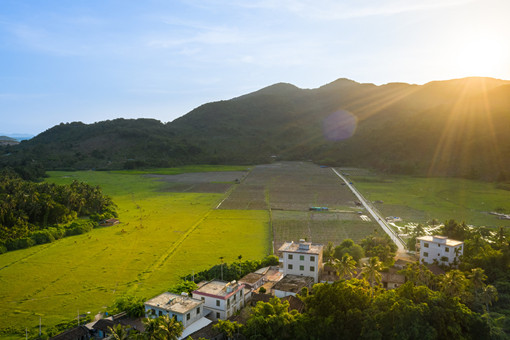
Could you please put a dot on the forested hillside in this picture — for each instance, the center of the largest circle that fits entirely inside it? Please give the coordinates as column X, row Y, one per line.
column 448, row 128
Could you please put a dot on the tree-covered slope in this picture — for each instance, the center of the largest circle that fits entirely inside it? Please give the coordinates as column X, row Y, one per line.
column 456, row 128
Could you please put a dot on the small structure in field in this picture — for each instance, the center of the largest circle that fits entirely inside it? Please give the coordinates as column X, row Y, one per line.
column 109, row 222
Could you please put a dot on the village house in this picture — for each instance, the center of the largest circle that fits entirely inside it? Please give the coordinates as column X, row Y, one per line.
column 302, row 259
column 440, row 249
column 221, row 299
column 183, row 308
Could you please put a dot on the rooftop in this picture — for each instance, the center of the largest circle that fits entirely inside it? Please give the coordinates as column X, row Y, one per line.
column 251, row 278
column 440, row 239
column 174, row 303
column 301, row 247
column 293, row 283
column 219, row 289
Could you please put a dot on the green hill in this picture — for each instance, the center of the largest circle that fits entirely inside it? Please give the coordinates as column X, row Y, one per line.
column 450, row 128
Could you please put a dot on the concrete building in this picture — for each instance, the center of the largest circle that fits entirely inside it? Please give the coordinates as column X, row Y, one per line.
column 440, row 248
column 302, row 259
column 184, row 308
column 221, row 299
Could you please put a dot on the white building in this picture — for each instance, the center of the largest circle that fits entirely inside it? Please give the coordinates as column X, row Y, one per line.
column 303, row 259
column 440, row 248
column 183, row 308
column 220, row 298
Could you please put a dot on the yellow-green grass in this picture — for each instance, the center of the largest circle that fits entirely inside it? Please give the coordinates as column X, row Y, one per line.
column 162, row 236
column 185, row 169
column 422, row 199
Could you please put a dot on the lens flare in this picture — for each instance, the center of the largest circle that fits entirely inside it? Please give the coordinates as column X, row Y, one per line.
column 339, row 125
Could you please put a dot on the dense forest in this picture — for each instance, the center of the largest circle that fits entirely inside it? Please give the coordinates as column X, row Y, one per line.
column 35, row 213
column 447, row 128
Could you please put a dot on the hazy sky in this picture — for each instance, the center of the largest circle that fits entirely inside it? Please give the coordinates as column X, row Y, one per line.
column 63, row 61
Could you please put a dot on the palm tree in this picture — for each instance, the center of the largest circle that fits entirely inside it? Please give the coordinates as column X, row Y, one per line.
column 489, row 294
column 453, row 283
column 169, row 328
column 371, row 271
column 329, row 252
column 477, row 278
column 346, row 266
column 119, row 332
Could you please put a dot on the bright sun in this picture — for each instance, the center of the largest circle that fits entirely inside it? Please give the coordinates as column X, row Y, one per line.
column 482, row 56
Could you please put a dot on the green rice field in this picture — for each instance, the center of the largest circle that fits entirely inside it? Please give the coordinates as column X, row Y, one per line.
column 422, row 199
column 162, row 236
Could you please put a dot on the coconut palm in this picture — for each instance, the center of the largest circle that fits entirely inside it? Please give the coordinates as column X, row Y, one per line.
column 489, row 293
column 329, row 252
column 453, row 283
column 345, row 267
column 371, row 271
column 119, row 332
column 169, row 328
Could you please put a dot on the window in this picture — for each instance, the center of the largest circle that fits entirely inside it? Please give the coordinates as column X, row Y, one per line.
column 198, row 310
column 160, row 313
column 446, row 249
column 203, row 298
column 290, row 266
column 290, row 256
column 301, row 267
column 188, row 316
column 217, row 315
column 312, row 258
column 425, row 254
column 217, row 302
column 312, row 268
column 426, row 245
column 301, row 257
column 153, row 311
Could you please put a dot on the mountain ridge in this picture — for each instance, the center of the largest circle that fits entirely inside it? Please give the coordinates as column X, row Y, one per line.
column 440, row 128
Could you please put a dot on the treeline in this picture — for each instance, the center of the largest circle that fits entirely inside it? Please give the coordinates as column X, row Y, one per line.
column 35, row 213
column 233, row 271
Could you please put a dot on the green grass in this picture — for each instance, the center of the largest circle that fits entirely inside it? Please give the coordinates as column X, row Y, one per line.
column 184, row 169
column 421, row 199
column 162, row 236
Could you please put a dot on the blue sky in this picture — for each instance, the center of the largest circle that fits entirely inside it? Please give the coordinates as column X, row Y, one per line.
column 64, row 61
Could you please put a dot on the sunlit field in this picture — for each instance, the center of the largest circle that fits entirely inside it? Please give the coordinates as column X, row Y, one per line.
column 422, row 199
column 162, row 236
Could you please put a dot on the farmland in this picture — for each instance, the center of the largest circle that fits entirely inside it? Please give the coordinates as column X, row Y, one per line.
column 163, row 235
column 289, row 189
column 173, row 222
column 421, row 199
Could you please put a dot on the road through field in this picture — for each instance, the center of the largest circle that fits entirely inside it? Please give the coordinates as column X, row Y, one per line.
column 378, row 218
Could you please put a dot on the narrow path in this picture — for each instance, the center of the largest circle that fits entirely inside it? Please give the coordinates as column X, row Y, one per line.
column 377, row 217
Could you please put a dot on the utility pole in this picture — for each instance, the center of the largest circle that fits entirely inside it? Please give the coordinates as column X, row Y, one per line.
column 78, row 318
column 39, row 326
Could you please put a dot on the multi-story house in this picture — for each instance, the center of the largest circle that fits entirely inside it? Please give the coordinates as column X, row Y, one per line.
column 303, row 259
column 221, row 298
column 440, row 248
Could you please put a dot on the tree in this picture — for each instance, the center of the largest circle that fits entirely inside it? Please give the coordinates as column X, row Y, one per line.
column 371, row 271
column 119, row 332
column 489, row 293
column 328, row 253
column 453, row 283
column 228, row 328
column 162, row 328
column 184, row 286
column 345, row 267
column 272, row 320
column 132, row 305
